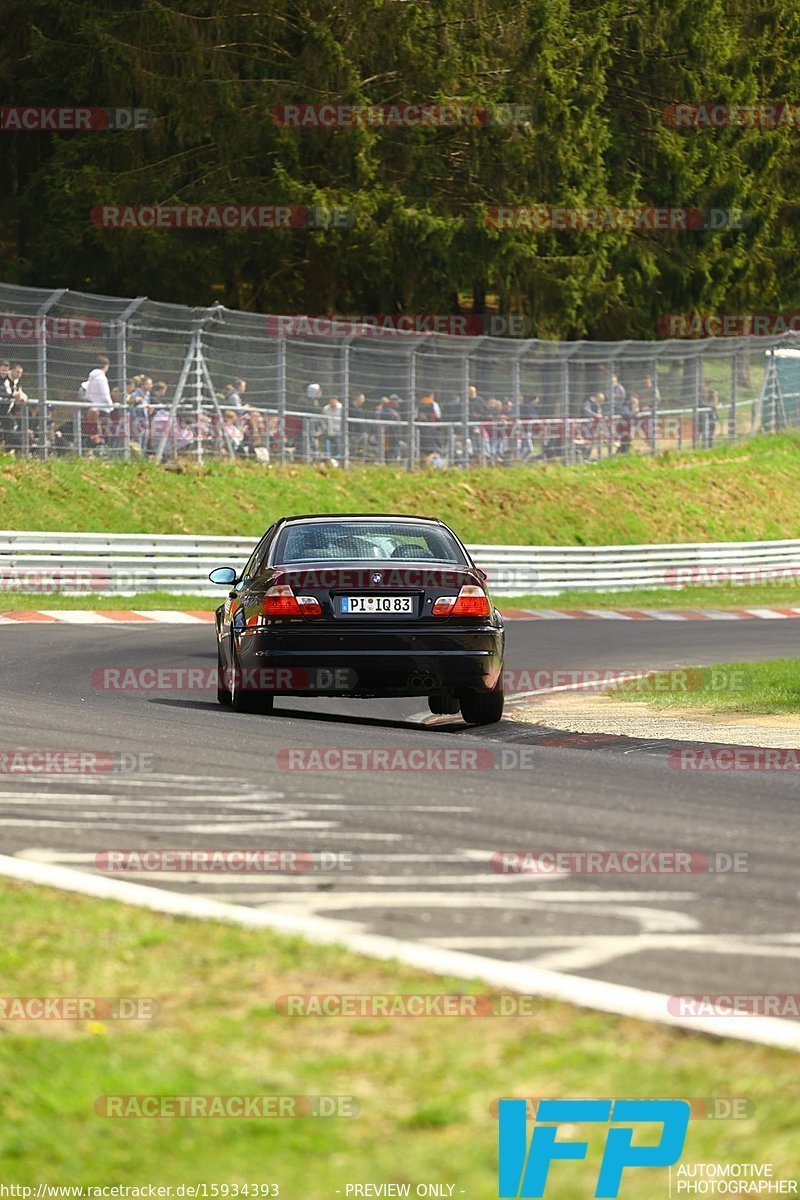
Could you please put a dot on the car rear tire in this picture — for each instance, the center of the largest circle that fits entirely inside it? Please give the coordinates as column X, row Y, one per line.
column 482, row 708
column 443, row 703
column 223, row 690
column 244, row 700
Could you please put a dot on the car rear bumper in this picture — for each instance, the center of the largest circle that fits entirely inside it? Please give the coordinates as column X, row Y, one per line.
column 373, row 663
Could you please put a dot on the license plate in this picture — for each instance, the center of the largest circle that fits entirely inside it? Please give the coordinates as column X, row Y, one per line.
column 377, row 605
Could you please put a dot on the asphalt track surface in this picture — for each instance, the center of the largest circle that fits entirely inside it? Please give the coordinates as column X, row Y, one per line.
column 421, row 842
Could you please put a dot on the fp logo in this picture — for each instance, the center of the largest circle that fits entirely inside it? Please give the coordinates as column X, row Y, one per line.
column 524, row 1174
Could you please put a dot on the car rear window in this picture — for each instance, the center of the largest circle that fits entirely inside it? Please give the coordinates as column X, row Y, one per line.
column 332, row 540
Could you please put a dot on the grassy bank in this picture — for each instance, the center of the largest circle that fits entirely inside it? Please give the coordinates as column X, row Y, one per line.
column 740, row 492
column 425, row 1085
column 758, row 688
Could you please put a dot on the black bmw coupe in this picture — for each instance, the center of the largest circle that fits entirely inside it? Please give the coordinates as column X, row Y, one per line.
column 360, row 606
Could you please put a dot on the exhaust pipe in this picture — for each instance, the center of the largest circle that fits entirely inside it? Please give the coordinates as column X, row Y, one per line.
column 425, row 683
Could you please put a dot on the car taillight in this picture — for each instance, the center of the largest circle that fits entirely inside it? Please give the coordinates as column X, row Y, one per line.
column 470, row 602
column 280, row 601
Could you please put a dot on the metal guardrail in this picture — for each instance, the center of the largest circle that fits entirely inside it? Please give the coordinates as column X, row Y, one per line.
column 125, row 563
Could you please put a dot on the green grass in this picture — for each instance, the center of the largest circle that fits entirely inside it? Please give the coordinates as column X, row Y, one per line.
column 721, row 596
column 27, row 601
column 425, row 1085
column 695, row 597
column 748, row 491
column 756, row 688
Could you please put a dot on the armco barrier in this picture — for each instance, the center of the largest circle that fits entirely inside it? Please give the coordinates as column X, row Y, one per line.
column 128, row 563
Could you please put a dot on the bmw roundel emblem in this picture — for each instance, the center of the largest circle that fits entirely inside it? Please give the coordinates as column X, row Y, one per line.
column 377, row 577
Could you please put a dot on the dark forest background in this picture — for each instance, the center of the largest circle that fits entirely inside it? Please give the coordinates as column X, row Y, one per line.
column 597, row 76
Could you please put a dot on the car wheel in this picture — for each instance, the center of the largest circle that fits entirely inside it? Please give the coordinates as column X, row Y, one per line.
column 443, row 703
column 223, row 690
column 244, row 700
column 482, row 708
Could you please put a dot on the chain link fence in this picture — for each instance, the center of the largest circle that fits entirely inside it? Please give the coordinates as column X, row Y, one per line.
column 347, row 393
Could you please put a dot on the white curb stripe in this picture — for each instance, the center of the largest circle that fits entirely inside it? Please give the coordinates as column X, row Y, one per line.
column 168, row 616
column 570, row 989
column 77, row 616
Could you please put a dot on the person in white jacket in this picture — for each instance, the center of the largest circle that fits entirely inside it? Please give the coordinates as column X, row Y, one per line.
column 96, row 386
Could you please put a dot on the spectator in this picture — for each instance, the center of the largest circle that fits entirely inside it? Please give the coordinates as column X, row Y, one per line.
column 7, row 422
column 16, row 382
column 136, row 392
column 388, row 410
column 6, row 382
column 313, row 395
column 93, row 435
column 626, row 417
column 649, row 395
column 616, row 397
column 453, row 408
column 96, row 386
column 708, row 415
column 232, row 398
column 254, row 429
column 428, row 415
column 494, row 431
column 333, row 412
column 476, row 404
column 140, row 417
column 359, row 435
column 232, row 433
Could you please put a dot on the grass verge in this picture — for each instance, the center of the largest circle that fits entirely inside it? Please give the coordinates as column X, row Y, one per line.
column 757, row 688
column 425, row 1085
column 697, row 597
column 748, row 491
column 718, row 596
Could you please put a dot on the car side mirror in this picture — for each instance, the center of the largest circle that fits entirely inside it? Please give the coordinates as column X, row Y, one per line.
column 481, row 574
column 224, row 576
